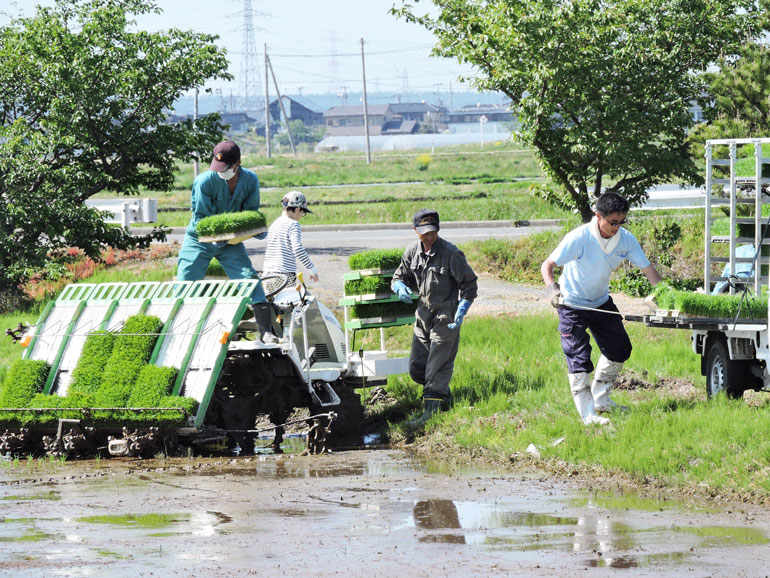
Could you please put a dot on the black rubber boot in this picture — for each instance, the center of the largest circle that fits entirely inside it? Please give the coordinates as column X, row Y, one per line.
column 433, row 405
column 263, row 317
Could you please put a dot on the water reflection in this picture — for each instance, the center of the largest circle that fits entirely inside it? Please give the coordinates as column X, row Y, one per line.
column 437, row 515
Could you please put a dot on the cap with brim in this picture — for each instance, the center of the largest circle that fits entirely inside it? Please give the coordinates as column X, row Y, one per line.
column 425, row 221
column 226, row 154
column 295, row 200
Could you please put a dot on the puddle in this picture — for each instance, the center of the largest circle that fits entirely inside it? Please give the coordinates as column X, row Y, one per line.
column 340, row 513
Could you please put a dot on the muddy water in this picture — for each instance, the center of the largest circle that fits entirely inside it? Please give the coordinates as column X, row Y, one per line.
column 363, row 513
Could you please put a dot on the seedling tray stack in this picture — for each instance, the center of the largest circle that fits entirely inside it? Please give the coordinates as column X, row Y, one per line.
column 369, row 301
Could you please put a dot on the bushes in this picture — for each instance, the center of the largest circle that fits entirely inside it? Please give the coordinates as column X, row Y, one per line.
column 230, row 223
column 376, row 259
column 26, row 378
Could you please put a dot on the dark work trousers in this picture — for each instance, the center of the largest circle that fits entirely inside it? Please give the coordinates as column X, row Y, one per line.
column 434, row 348
column 606, row 328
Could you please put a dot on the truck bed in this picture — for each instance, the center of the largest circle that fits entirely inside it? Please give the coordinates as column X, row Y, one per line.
column 701, row 323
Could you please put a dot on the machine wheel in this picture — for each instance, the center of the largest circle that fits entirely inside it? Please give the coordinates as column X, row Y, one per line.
column 723, row 373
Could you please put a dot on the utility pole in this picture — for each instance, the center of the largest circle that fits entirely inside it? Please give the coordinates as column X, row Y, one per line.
column 366, row 112
column 196, row 167
column 283, row 110
column 267, row 106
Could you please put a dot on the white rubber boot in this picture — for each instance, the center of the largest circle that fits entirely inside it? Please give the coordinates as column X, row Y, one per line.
column 579, row 384
column 604, row 378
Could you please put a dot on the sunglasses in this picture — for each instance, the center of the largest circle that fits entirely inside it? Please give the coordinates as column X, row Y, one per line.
column 616, row 223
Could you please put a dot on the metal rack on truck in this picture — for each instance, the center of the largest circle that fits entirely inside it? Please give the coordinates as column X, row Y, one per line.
column 734, row 351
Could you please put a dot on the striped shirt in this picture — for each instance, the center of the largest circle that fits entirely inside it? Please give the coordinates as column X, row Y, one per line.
column 284, row 247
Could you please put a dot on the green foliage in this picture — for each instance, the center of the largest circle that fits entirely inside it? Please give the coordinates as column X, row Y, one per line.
column 84, row 97
column 737, row 104
column 386, row 259
column 88, row 372
column 601, row 87
column 25, row 378
column 300, row 133
column 230, row 223
column 516, row 260
column 372, row 284
column 720, row 306
column 389, row 309
column 153, row 384
column 133, row 347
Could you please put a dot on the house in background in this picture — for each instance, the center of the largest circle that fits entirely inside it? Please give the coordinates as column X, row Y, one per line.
column 418, row 114
column 297, row 108
column 239, row 122
column 349, row 120
column 495, row 118
column 386, row 119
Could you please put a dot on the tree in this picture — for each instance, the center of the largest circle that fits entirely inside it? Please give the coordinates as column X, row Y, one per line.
column 84, row 98
column 737, row 104
column 301, row 133
column 602, row 87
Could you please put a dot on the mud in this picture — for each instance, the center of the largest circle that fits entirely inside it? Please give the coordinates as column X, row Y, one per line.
column 363, row 513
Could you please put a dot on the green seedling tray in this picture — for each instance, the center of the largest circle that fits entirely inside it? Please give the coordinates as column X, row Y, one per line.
column 374, row 322
column 371, row 298
column 355, row 275
column 233, row 238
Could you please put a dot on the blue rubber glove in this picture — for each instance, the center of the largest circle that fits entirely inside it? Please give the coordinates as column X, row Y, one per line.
column 404, row 293
column 462, row 309
column 261, row 236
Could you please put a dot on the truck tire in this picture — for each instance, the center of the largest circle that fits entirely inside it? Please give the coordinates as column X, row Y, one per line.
column 724, row 374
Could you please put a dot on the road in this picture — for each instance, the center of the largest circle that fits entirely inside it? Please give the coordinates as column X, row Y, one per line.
column 330, row 246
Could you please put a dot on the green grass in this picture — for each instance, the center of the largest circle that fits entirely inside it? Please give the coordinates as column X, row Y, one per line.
column 512, row 390
column 393, row 204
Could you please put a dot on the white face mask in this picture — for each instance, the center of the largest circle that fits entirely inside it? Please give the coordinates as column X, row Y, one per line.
column 228, row 174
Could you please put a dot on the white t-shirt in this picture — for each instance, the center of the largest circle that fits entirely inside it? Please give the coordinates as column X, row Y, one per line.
column 587, row 268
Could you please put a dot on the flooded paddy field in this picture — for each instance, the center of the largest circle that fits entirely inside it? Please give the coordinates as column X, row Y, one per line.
column 356, row 513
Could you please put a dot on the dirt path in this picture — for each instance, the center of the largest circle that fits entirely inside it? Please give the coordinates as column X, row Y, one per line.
column 495, row 297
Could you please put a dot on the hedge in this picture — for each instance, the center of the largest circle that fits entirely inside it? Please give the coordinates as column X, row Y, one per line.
column 230, row 223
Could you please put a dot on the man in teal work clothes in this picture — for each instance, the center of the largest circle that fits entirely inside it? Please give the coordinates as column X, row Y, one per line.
column 225, row 188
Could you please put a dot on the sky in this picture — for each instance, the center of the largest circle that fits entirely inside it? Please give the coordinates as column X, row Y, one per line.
column 314, row 45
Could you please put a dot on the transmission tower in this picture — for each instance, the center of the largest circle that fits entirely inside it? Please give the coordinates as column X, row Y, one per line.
column 249, row 85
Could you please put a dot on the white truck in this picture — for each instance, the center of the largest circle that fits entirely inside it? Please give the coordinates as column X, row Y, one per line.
column 734, row 352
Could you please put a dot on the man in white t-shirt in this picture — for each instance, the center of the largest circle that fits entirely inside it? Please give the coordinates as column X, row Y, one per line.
column 588, row 255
